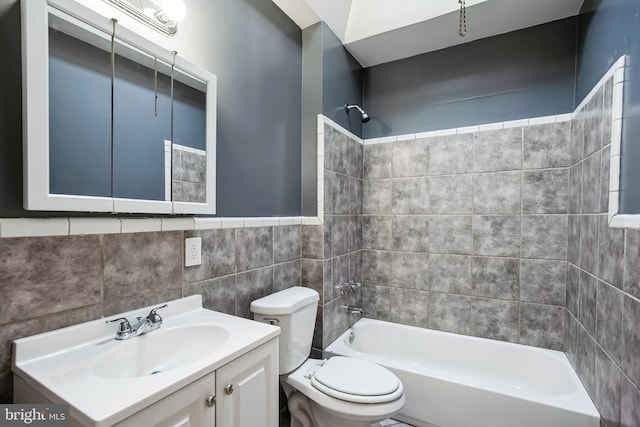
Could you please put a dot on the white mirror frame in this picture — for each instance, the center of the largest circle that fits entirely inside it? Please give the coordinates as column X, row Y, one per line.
column 35, row 100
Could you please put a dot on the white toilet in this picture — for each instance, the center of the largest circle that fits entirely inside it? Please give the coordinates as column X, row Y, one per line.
column 341, row 391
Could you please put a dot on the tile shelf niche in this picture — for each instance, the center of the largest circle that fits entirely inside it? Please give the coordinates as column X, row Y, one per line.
column 99, row 102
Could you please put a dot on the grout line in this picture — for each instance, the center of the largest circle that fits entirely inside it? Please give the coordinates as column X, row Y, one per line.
column 521, row 236
column 102, row 275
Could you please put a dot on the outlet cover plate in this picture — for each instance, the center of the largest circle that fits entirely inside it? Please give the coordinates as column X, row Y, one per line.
column 192, row 251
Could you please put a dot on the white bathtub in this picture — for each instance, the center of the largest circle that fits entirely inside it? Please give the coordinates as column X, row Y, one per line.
column 453, row 380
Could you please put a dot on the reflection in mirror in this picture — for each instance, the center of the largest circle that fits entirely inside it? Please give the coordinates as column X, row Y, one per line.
column 80, row 120
column 141, row 124
column 189, row 156
column 144, row 109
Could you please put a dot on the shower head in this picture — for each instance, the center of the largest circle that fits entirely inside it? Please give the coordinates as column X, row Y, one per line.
column 363, row 116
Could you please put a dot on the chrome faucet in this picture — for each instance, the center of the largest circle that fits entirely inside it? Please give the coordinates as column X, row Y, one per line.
column 150, row 323
column 143, row 326
column 352, row 309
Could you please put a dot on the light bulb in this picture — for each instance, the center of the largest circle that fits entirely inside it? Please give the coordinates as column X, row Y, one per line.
column 175, row 10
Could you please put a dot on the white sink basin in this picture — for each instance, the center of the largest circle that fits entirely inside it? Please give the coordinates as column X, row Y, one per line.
column 105, row 380
column 160, row 351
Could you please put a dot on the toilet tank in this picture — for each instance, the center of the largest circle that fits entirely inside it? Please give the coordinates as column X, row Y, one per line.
column 294, row 311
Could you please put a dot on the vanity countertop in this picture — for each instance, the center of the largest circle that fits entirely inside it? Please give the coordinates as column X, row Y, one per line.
column 84, row 366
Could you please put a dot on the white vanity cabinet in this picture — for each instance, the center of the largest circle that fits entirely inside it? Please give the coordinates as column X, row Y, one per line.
column 246, row 395
column 193, row 406
column 241, row 393
column 247, row 389
column 200, row 369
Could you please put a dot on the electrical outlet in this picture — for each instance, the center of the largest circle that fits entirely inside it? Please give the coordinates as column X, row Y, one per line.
column 192, row 251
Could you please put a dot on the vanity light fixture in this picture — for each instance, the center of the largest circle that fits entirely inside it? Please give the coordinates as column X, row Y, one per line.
column 161, row 15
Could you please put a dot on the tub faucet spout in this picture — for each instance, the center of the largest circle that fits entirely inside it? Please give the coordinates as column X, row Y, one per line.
column 352, row 309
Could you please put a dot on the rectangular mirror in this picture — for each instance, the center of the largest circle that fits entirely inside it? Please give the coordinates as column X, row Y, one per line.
column 112, row 124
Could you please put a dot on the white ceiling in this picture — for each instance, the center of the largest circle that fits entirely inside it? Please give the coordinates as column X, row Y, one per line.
column 379, row 31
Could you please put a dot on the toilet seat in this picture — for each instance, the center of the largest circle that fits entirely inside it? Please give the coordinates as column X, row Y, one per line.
column 341, row 408
column 357, row 381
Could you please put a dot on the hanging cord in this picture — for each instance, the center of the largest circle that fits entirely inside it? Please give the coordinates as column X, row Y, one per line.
column 463, row 19
column 114, row 21
column 173, row 65
column 155, row 86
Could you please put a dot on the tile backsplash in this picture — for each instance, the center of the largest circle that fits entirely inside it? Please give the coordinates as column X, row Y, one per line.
column 52, row 282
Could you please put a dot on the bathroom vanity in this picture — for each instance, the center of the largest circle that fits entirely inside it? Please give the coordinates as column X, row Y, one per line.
column 200, row 368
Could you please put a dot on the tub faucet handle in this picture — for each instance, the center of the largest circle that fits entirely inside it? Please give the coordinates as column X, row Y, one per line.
column 343, row 288
column 349, row 286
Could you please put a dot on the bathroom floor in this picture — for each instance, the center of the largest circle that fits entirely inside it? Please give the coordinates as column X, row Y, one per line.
column 390, row 423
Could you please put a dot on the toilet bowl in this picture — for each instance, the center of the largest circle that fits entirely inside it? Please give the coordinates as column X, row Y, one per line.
column 331, row 405
column 341, row 391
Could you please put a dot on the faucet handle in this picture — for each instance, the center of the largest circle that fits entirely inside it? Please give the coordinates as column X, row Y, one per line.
column 124, row 327
column 155, row 317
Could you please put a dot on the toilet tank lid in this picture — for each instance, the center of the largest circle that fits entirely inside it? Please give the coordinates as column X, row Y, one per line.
column 285, row 302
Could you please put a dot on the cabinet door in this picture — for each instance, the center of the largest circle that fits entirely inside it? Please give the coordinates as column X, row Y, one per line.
column 247, row 389
column 188, row 407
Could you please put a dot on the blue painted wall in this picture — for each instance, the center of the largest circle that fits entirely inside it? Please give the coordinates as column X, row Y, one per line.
column 331, row 78
column 258, row 61
column 609, row 29
column 521, row 74
column 311, row 107
column 341, row 82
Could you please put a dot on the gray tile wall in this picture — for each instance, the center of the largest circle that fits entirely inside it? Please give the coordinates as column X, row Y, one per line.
column 51, row 282
column 332, row 252
column 468, row 233
column 603, row 285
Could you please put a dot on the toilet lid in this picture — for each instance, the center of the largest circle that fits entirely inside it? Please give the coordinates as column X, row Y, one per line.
column 357, row 380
